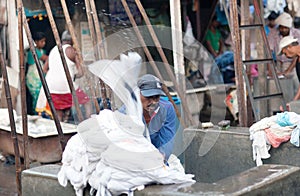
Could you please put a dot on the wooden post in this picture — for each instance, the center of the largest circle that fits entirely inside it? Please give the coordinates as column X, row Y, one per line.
column 100, row 47
column 176, row 27
column 96, row 50
column 91, row 28
column 238, row 66
column 246, row 52
column 12, row 122
column 164, row 59
column 41, row 74
column 23, row 89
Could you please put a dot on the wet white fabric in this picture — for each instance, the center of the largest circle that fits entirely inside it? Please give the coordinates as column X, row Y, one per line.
column 295, row 136
column 4, row 116
column 124, row 159
column 121, row 76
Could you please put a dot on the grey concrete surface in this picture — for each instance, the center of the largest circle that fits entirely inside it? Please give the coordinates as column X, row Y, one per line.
column 214, row 154
column 263, row 180
column 8, row 185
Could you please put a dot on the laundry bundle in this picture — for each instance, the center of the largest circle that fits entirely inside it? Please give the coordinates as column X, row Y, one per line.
column 271, row 132
column 111, row 155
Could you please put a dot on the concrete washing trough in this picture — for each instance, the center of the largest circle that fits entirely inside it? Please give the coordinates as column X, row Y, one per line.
column 222, row 166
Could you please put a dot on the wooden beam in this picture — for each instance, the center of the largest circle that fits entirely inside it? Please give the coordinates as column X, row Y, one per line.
column 238, row 66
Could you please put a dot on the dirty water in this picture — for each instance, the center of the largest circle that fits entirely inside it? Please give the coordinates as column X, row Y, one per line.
column 8, row 185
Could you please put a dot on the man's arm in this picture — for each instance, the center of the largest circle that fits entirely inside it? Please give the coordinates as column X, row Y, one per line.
column 167, row 133
column 291, row 67
column 72, row 55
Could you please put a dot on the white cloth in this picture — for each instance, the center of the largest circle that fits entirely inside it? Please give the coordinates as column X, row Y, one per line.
column 121, row 76
column 274, row 5
column 295, row 136
column 114, row 159
column 4, row 116
column 259, row 147
column 261, row 144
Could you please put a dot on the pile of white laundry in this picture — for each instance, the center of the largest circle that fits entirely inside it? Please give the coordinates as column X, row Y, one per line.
column 271, row 132
column 113, row 157
column 110, row 151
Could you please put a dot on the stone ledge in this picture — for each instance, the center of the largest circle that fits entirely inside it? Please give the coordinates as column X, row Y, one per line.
column 227, row 153
column 263, row 180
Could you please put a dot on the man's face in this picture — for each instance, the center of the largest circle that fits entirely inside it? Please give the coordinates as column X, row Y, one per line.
column 289, row 51
column 272, row 23
column 284, row 31
column 150, row 103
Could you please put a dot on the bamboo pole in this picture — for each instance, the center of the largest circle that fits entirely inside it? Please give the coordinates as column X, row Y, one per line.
column 44, row 83
column 63, row 58
column 23, row 90
column 76, row 45
column 12, row 121
column 91, row 28
column 100, row 46
column 149, row 56
column 94, row 40
column 97, row 28
column 165, row 61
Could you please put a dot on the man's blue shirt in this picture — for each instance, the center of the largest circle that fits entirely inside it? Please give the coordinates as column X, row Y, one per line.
column 162, row 127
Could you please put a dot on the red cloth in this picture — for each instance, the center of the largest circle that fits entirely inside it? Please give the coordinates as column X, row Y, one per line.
column 275, row 139
column 64, row 101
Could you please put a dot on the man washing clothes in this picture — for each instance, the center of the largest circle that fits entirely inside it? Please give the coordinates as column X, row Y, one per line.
column 158, row 114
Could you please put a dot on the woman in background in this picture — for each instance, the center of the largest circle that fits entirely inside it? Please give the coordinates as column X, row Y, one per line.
column 33, row 81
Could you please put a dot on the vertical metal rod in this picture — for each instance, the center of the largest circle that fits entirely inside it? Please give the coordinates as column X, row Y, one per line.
column 238, row 66
column 23, row 90
column 44, row 83
column 165, row 61
column 63, row 58
column 12, row 121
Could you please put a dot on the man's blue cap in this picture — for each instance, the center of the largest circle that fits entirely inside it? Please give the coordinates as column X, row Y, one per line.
column 150, row 85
